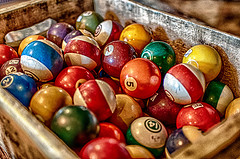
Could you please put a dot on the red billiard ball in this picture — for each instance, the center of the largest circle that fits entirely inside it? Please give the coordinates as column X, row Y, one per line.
column 114, row 84
column 162, row 108
column 201, row 115
column 82, row 51
column 140, row 78
column 98, row 96
column 6, row 53
column 104, row 147
column 115, row 55
column 72, row 77
column 10, row 66
column 111, row 130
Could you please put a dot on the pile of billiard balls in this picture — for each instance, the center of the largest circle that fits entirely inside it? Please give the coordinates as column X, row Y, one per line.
column 112, row 91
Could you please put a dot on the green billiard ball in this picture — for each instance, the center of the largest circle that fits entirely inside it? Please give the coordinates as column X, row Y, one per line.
column 75, row 125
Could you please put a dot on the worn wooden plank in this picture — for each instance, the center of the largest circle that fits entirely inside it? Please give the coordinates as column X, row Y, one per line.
column 28, row 13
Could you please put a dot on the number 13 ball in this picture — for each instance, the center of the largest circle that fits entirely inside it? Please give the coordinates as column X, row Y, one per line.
column 140, row 78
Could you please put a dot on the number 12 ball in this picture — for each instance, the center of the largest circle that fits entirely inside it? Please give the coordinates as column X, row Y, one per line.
column 140, row 78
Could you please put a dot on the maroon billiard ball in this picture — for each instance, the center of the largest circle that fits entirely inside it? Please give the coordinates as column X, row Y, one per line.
column 114, row 84
column 10, row 66
column 72, row 77
column 58, row 31
column 162, row 108
column 6, row 53
column 115, row 55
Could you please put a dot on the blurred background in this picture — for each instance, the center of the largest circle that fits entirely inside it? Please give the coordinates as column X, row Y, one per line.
column 221, row 14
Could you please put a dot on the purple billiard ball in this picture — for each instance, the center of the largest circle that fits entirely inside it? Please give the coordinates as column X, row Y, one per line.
column 58, row 31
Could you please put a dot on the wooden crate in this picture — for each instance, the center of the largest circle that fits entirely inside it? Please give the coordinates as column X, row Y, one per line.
column 26, row 137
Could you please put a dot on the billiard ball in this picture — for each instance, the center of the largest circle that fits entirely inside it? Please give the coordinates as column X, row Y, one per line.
column 136, row 35
column 206, row 59
column 115, row 55
column 28, row 40
column 218, row 95
column 58, row 31
column 114, row 84
column 89, row 20
column 161, row 53
column 233, row 108
column 70, row 36
column 148, row 132
column 127, row 110
column 98, row 96
column 201, row 115
column 162, row 108
column 20, row 86
column 72, row 77
column 181, row 137
column 107, row 129
column 6, row 53
column 104, row 147
column 184, row 84
column 75, row 125
column 107, row 31
column 140, row 78
column 82, row 51
column 42, row 60
column 10, row 66
column 137, row 152
column 46, row 101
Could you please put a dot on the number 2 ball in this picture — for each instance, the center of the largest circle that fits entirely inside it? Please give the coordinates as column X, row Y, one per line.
column 140, row 78
column 115, row 55
column 184, row 83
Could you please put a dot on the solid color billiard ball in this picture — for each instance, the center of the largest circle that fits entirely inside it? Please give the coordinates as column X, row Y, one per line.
column 46, row 101
column 148, row 132
column 20, row 86
column 82, row 51
column 126, row 111
column 6, row 53
column 161, row 53
column 181, row 137
column 162, row 108
column 115, row 55
column 184, row 83
column 218, row 95
column 138, row 152
column 206, row 59
column 104, row 147
column 89, row 20
column 98, row 96
column 75, row 125
column 140, row 78
column 58, row 31
column 28, row 40
column 233, row 108
column 110, row 130
column 136, row 35
column 42, row 60
column 10, row 66
column 70, row 78
column 201, row 115
column 107, row 31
